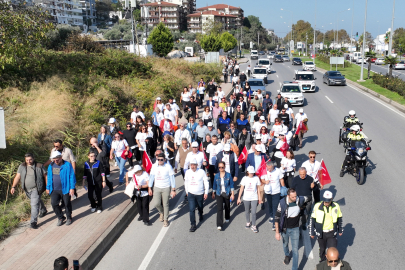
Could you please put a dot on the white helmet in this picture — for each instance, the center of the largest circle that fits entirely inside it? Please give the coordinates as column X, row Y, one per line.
column 355, row 128
column 352, row 112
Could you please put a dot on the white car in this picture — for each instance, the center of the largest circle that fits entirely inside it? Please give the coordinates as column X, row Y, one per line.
column 308, row 65
column 360, row 59
column 254, row 54
column 260, row 72
column 400, row 65
column 265, row 63
column 379, row 61
column 305, row 80
column 292, row 91
column 270, row 55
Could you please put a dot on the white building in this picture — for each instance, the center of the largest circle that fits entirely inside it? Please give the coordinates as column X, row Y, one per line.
column 380, row 45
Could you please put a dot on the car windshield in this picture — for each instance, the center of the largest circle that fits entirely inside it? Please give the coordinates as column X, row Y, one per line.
column 334, row 73
column 256, row 83
column 259, row 71
column 309, row 63
column 278, row 56
column 297, row 59
column 285, row 56
column 304, row 77
column 264, row 62
column 254, row 52
column 291, row 89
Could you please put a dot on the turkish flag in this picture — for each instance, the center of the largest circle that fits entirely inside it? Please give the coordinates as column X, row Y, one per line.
column 201, row 147
column 323, row 175
column 262, row 170
column 154, row 105
column 284, row 147
column 243, row 156
column 205, row 156
column 146, row 162
column 302, row 126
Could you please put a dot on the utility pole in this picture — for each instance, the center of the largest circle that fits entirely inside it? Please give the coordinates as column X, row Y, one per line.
column 133, row 30
column 306, row 45
column 258, row 40
column 364, row 44
column 351, row 35
column 315, row 32
column 392, row 30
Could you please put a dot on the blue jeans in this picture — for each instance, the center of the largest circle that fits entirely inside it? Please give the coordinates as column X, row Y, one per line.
column 121, row 165
column 294, row 235
column 272, row 202
column 194, row 200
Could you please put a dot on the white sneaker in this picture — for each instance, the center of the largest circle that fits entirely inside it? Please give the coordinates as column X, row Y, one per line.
column 226, row 220
column 219, row 228
column 99, row 211
column 93, row 210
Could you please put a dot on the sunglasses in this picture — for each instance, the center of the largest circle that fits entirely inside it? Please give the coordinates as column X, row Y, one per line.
column 334, row 261
column 312, row 157
column 221, row 167
column 128, row 126
column 116, row 136
column 277, row 121
column 160, row 159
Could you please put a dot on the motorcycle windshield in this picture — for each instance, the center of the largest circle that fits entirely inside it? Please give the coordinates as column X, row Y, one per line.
column 360, row 144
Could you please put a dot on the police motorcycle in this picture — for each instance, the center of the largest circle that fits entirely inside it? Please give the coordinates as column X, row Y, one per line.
column 356, row 158
column 348, row 122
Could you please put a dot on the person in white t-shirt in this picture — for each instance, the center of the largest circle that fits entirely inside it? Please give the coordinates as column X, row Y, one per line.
column 141, row 140
column 212, row 150
column 278, row 154
column 163, row 176
column 181, row 133
column 195, row 154
column 301, row 117
column 290, row 113
column 136, row 113
column 273, row 114
column 312, row 166
column 273, row 180
column 259, row 124
column 160, row 104
column 221, row 93
column 141, row 179
column 119, row 146
column 171, row 113
column 201, row 92
column 249, row 186
column 196, row 187
column 185, row 97
column 288, row 165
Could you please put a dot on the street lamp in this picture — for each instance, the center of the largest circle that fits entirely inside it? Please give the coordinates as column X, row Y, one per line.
column 291, row 30
column 364, row 44
column 392, row 29
column 315, row 31
column 337, row 24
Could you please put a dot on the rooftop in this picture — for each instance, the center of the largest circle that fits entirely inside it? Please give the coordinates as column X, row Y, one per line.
column 211, row 12
column 219, row 6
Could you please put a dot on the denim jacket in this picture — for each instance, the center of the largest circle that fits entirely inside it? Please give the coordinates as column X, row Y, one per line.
column 228, row 181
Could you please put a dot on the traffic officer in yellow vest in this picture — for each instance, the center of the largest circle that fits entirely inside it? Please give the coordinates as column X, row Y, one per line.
column 352, row 137
column 326, row 223
column 351, row 120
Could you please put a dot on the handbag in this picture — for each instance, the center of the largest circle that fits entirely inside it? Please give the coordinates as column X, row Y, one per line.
column 126, row 156
column 129, row 190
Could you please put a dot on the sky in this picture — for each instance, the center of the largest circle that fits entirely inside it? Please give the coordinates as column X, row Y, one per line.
column 379, row 14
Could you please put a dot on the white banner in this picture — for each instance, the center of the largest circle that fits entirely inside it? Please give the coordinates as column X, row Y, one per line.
column 299, row 45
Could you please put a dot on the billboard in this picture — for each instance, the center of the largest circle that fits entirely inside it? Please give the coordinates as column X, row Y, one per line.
column 299, row 45
column 337, row 60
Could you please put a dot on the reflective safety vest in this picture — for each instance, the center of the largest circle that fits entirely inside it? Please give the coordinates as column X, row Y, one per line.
column 352, row 120
column 318, row 218
column 355, row 137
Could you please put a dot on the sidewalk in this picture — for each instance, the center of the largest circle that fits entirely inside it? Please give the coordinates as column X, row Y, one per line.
column 85, row 240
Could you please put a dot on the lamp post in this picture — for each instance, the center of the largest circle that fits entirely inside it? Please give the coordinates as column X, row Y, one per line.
column 315, row 31
column 289, row 47
column 364, row 44
column 351, row 34
column 392, row 30
column 337, row 24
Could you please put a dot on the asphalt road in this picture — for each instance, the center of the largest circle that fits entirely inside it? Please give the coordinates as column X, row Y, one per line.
column 383, row 69
column 372, row 213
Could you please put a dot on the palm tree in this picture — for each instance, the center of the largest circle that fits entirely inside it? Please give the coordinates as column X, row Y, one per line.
column 370, row 55
column 391, row 61
column 333, row 52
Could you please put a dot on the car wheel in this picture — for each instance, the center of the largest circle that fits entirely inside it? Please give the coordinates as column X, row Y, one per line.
column 328, row 83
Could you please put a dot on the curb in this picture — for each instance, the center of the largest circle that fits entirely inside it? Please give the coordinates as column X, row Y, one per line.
column 395, row 104
column 95, row 253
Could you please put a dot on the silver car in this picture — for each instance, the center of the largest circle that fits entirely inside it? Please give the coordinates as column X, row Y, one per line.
column 379, row 61
column 286, row 58
column 400, row 65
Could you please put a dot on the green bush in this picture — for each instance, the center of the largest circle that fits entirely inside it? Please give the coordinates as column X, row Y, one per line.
column 394, row 84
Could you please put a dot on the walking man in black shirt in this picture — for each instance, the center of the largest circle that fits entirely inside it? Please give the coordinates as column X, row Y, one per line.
column 192, row 105
column 304, row 184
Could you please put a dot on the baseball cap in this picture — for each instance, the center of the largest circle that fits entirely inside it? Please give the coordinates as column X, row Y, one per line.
column 285, row 106
column 281, row 134
column 258, row 137
column 244, row 92
column 262, row 118
column 194, row 144
column 137, row 168
column 250, row 169
column 158, row 98
column 327, row 196
column 111, row 121
column 227, row 147
column 258, row 147
column 301, row 110
column 210, row 124
column 56, row 154
column 193, row 161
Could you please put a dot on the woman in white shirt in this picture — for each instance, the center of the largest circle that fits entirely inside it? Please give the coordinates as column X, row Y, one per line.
column 249, row 186
column 185, row 97
column 201, row 91
column 260, row 96
column 277, row 128
column 140, row 140
column 265, row 137
column 216, row 97
column 288, row 165
column 141, row 179
column 118, row 146
column 206, row 115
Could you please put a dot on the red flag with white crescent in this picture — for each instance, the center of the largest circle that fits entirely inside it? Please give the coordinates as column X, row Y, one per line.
column 205, row 156
column 302, row 126
column 243, row 156
column 201, row 147
column 284, row 147
column 262, row 170
column 323, row 174
column 146, row 162
column 154, row 105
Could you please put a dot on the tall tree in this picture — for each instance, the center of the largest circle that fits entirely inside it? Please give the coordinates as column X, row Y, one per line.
column 161, row 40
column 228, row 41
column 399, row 39
column 210, row 43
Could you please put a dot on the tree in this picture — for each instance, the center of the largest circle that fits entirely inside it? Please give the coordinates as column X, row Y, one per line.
column 391, row 61
column 398, row 39
column 369, row 40
column 22, row 30
column 228, row 41
column 211, row 43
column 161, row 39
column 113, row 34
column 56, row 39
column 370, row 54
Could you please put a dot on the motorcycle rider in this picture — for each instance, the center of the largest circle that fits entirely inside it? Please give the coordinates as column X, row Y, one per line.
column 351, row 120
column 352, row 137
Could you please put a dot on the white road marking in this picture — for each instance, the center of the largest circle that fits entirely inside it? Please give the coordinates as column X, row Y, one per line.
column 280, row 83
column 329, row 99
column 289, row 67
column 159, row 238
column 307, row 245
column 277, row 75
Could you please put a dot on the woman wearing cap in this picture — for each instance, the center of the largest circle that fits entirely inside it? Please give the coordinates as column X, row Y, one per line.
column 223, row 191
column 288, row 165
column 157, row 116
column 206, row 115
column 95, row 175
column 119, row 146
column 168, row 147
column 114, row 128
column 185, row 97
column 251, row 115
column 141, row 179
column 159, row 104
column 140, row 140
column 249, row 186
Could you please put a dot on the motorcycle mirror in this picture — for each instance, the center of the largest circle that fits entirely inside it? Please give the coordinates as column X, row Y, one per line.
column 369, row 141
column 368, row 148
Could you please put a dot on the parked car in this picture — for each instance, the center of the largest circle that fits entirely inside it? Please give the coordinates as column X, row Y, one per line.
column 296, row 61
column 334, row 78
column 399, row 65
column 360, row 59
column 379, row 61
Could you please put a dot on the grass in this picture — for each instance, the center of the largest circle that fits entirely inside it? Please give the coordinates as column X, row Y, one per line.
column 353, row 73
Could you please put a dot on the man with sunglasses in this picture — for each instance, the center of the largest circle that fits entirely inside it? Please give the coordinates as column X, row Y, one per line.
column 284, row 117
column 333, row 261
column 162, row 176
column 67, row 154
column 312, row 166
column 326, row 223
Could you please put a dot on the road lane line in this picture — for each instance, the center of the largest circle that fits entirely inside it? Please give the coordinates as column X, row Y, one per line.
column 147, row 259
column 329, row 99
column 277, row 75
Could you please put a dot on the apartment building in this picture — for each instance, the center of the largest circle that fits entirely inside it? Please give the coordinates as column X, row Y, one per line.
column 189, row 6
column 199, row 21
column 228, row 10
column 172, row 15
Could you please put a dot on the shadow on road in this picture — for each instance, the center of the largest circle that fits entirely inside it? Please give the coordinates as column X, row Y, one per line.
column 346, row 240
